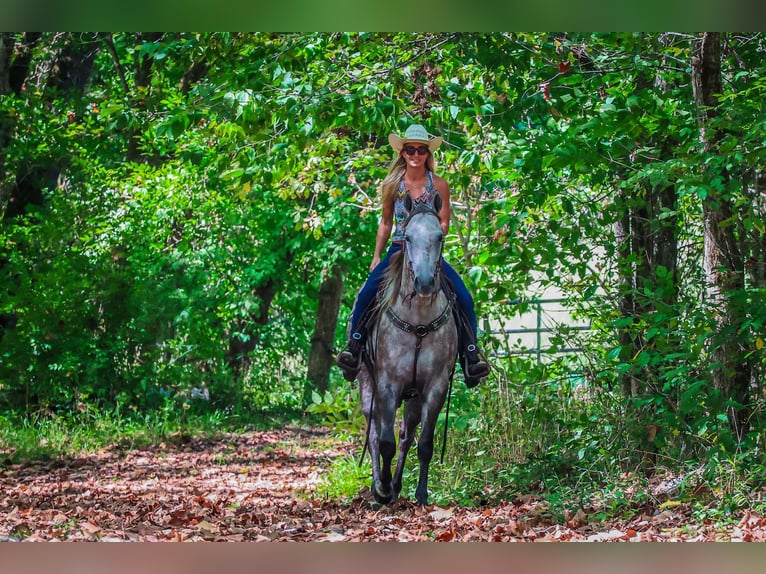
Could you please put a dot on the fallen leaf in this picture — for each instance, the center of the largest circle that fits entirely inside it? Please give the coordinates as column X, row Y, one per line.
column 208, row 527
column 333, row 537
column 441, row 514
column 608, row 536
column 89, row 528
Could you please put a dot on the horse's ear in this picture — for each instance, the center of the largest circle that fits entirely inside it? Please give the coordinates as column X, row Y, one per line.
column 437, row 202
column 407, row 202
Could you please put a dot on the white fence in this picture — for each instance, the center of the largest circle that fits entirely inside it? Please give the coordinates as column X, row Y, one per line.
column 534, row 328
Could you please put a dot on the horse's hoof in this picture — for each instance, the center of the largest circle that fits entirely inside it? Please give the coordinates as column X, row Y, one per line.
column 381, row 496
column 383, row 500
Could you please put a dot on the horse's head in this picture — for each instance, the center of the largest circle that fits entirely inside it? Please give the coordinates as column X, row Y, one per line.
column 423, row 244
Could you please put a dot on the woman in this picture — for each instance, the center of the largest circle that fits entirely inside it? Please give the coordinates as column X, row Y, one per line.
column 411, row 172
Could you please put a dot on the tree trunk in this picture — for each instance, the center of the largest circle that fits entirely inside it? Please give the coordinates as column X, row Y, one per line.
column 627, row 304
column 7, row 41
column 245, row 338
column 651, row 242
column 321, row 357
column 723, row 264
column 648, row 243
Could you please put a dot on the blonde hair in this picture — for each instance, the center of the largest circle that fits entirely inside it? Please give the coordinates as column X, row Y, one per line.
column 396, row 170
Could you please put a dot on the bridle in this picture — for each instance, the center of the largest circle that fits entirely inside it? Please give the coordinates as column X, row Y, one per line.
column 421, row 208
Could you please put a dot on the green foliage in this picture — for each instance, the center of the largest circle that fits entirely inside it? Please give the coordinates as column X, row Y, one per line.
column 197, row 188
column 340, row 410
column 344, row 480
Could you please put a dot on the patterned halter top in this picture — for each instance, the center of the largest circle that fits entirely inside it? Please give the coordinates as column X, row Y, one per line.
column 400, row 211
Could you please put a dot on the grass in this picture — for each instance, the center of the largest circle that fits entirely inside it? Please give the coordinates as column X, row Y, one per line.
column 42, row 437
column 344, row 480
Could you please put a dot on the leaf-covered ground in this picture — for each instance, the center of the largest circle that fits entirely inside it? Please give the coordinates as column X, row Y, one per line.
column 252, row 487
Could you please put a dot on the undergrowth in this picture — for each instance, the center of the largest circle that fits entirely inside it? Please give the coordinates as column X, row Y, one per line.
column 46, row 435
column 536, row 431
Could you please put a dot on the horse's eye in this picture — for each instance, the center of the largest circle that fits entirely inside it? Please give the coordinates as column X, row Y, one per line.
column 407, row 239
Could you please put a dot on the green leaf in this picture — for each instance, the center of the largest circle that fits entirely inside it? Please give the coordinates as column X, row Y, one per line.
column 614, row 354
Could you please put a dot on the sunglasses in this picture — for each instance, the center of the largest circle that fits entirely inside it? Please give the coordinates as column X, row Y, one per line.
column 411, row 149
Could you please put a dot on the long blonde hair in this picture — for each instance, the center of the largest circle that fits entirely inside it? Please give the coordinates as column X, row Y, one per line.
column 396, row 170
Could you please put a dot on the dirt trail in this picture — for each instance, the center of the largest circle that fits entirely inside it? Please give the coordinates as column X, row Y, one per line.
column 248, row 487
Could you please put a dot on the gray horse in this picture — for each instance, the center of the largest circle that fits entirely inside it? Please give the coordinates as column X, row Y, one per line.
column 411, row 355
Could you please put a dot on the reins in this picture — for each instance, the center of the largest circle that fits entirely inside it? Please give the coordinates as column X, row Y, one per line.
column 446, row 412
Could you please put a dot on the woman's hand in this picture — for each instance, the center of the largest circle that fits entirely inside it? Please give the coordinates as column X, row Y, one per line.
column 375, row 262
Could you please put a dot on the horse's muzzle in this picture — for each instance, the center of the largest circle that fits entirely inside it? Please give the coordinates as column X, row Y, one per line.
column 425, row 287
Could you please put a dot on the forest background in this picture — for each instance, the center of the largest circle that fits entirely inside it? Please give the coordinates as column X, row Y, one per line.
column 186, row 219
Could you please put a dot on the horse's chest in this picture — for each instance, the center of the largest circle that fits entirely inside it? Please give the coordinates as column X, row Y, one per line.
column 406, row 356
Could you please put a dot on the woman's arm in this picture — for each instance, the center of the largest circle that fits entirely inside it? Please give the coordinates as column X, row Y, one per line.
column 446, row 211
column 384, row 232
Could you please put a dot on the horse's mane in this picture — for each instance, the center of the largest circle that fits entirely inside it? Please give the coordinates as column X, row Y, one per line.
column 420, row 207
column 391, row 279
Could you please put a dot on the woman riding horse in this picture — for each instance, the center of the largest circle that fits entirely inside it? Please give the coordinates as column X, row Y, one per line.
column 412, row 173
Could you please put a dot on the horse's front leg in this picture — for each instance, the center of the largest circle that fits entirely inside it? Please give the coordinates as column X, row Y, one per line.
column 410, row 420
column 373, row 444
column 383, row 445
column 425, row 454
column 429, row 415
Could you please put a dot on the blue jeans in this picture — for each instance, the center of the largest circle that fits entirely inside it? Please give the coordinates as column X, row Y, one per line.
column 370, row 288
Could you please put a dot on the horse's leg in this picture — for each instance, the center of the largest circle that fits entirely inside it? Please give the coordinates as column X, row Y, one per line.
column 410, row 420
column 365, row 389
column 385, row 415
column 430, row 415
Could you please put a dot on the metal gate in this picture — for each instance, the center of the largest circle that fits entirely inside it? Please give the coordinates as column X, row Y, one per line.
column 541, row 327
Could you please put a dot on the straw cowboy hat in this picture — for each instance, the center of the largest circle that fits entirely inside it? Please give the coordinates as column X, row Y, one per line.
column 415, row 134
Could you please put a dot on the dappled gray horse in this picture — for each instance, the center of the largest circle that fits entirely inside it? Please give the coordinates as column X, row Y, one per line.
column 411, row 352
